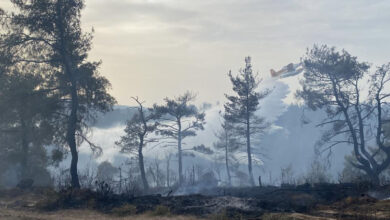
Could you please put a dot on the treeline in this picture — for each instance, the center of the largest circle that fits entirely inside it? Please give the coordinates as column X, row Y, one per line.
column 178, row 119
column 49, row 90
column 50, row 93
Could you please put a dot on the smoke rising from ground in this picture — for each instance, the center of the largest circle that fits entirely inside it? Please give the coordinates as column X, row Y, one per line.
column 287, row 139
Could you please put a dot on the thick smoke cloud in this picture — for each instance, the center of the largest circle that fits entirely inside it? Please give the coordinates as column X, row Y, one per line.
column 287, row 139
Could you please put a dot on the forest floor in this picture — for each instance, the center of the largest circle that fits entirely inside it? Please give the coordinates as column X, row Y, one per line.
column 74, row 214
column 329, row 202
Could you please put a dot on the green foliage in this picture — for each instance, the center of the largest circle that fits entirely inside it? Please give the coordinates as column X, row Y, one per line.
column 180, row 119
column 324, row 68
column 46, row 37
column 332, row 82
column 25, row 125
column 241, row 107
column 246, row 102
column 175, row 111
column 138, row 129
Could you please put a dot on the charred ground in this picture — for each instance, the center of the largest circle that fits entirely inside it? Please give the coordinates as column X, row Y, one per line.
column 320, row 201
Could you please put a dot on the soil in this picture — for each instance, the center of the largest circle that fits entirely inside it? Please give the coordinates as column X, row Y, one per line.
column 319, row 202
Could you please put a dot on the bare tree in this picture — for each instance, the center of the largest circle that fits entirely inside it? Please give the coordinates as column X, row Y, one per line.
column 138, row 129
column 156, row 173
column 168, row 158
column 227, row 143
column 287, row 175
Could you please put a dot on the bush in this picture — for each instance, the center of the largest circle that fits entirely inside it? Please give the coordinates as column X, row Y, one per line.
column 124, row 210
column 104, row 190
column 161, row 210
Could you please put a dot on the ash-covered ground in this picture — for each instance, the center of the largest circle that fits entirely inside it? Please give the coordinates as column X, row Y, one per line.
column 320, row 201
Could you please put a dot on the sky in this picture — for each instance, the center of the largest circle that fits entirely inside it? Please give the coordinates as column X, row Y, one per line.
column 161, row 48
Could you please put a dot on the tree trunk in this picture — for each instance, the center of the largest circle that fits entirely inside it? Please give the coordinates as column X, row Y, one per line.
column 248, row 148
column 365, row 164
column 374, row 177
column 168, row 161
column 72, row 123
column 180, row 155
column 72, row 120
column 142, row 167
column 71, row 139
column 23, row 161
column 227, row 161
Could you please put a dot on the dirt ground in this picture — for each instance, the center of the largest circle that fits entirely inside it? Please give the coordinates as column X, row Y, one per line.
column 281, row 204
column 74, row 214
column 10, row 214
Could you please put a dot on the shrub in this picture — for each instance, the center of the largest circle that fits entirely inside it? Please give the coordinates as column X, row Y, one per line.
column 104, row 190
column 124, row 210
column 161, row 210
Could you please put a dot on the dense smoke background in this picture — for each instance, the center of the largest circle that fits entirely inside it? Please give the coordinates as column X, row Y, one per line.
column 161, row 48
column 292, row 135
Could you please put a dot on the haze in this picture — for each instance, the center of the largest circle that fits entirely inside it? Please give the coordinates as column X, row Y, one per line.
column 159, row 48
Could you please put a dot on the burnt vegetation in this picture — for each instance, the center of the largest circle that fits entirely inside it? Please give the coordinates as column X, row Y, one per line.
column 51, row 95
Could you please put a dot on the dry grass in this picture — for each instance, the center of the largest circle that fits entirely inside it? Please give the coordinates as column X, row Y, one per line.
column 10, row 214
column 292, row 216
column 124, row 210
column 161, row 210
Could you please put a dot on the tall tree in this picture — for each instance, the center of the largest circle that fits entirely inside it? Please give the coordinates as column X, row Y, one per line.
column 48, row 34
column 181, row 119
column 228, row 143
column 25, row 126
column 241, row 108
column 333, row 81
column 138, row 129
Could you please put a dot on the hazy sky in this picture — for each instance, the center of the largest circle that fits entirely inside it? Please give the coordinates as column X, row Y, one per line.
column 158, row 48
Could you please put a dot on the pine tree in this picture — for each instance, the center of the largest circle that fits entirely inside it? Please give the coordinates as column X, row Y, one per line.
column 48, row 34
column 332, row 82
column 180, row 119
column 25, row 125
column 241, row 108
column 138, row 129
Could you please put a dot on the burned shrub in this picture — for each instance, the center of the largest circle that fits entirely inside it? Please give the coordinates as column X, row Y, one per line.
column 104, row 190
column 161, row 210
column 124, row 210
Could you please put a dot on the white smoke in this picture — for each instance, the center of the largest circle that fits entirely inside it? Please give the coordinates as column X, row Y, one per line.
column 271, row 108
